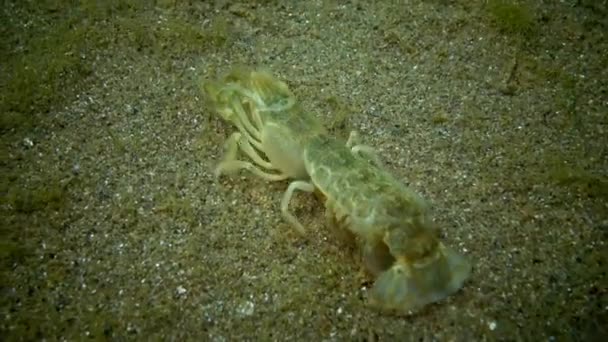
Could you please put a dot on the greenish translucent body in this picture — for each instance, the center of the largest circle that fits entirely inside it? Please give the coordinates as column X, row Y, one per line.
column 399, row 242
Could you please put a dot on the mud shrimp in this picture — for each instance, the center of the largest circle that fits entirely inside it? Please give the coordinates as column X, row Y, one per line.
column 399, row 242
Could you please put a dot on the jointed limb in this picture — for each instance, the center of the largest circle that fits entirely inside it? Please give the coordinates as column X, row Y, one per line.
column 231, row 164
column 295, row 185
column 244, row 125
column 254, row 155
column 362, row 150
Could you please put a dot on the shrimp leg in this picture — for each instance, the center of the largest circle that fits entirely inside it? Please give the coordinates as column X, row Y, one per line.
column 295, row 185
column 361, row 150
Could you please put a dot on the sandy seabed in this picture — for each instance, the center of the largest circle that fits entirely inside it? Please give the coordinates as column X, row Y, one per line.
column 114, row 226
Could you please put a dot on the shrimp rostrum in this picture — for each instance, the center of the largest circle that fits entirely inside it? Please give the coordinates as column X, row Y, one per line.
column 398, row 240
